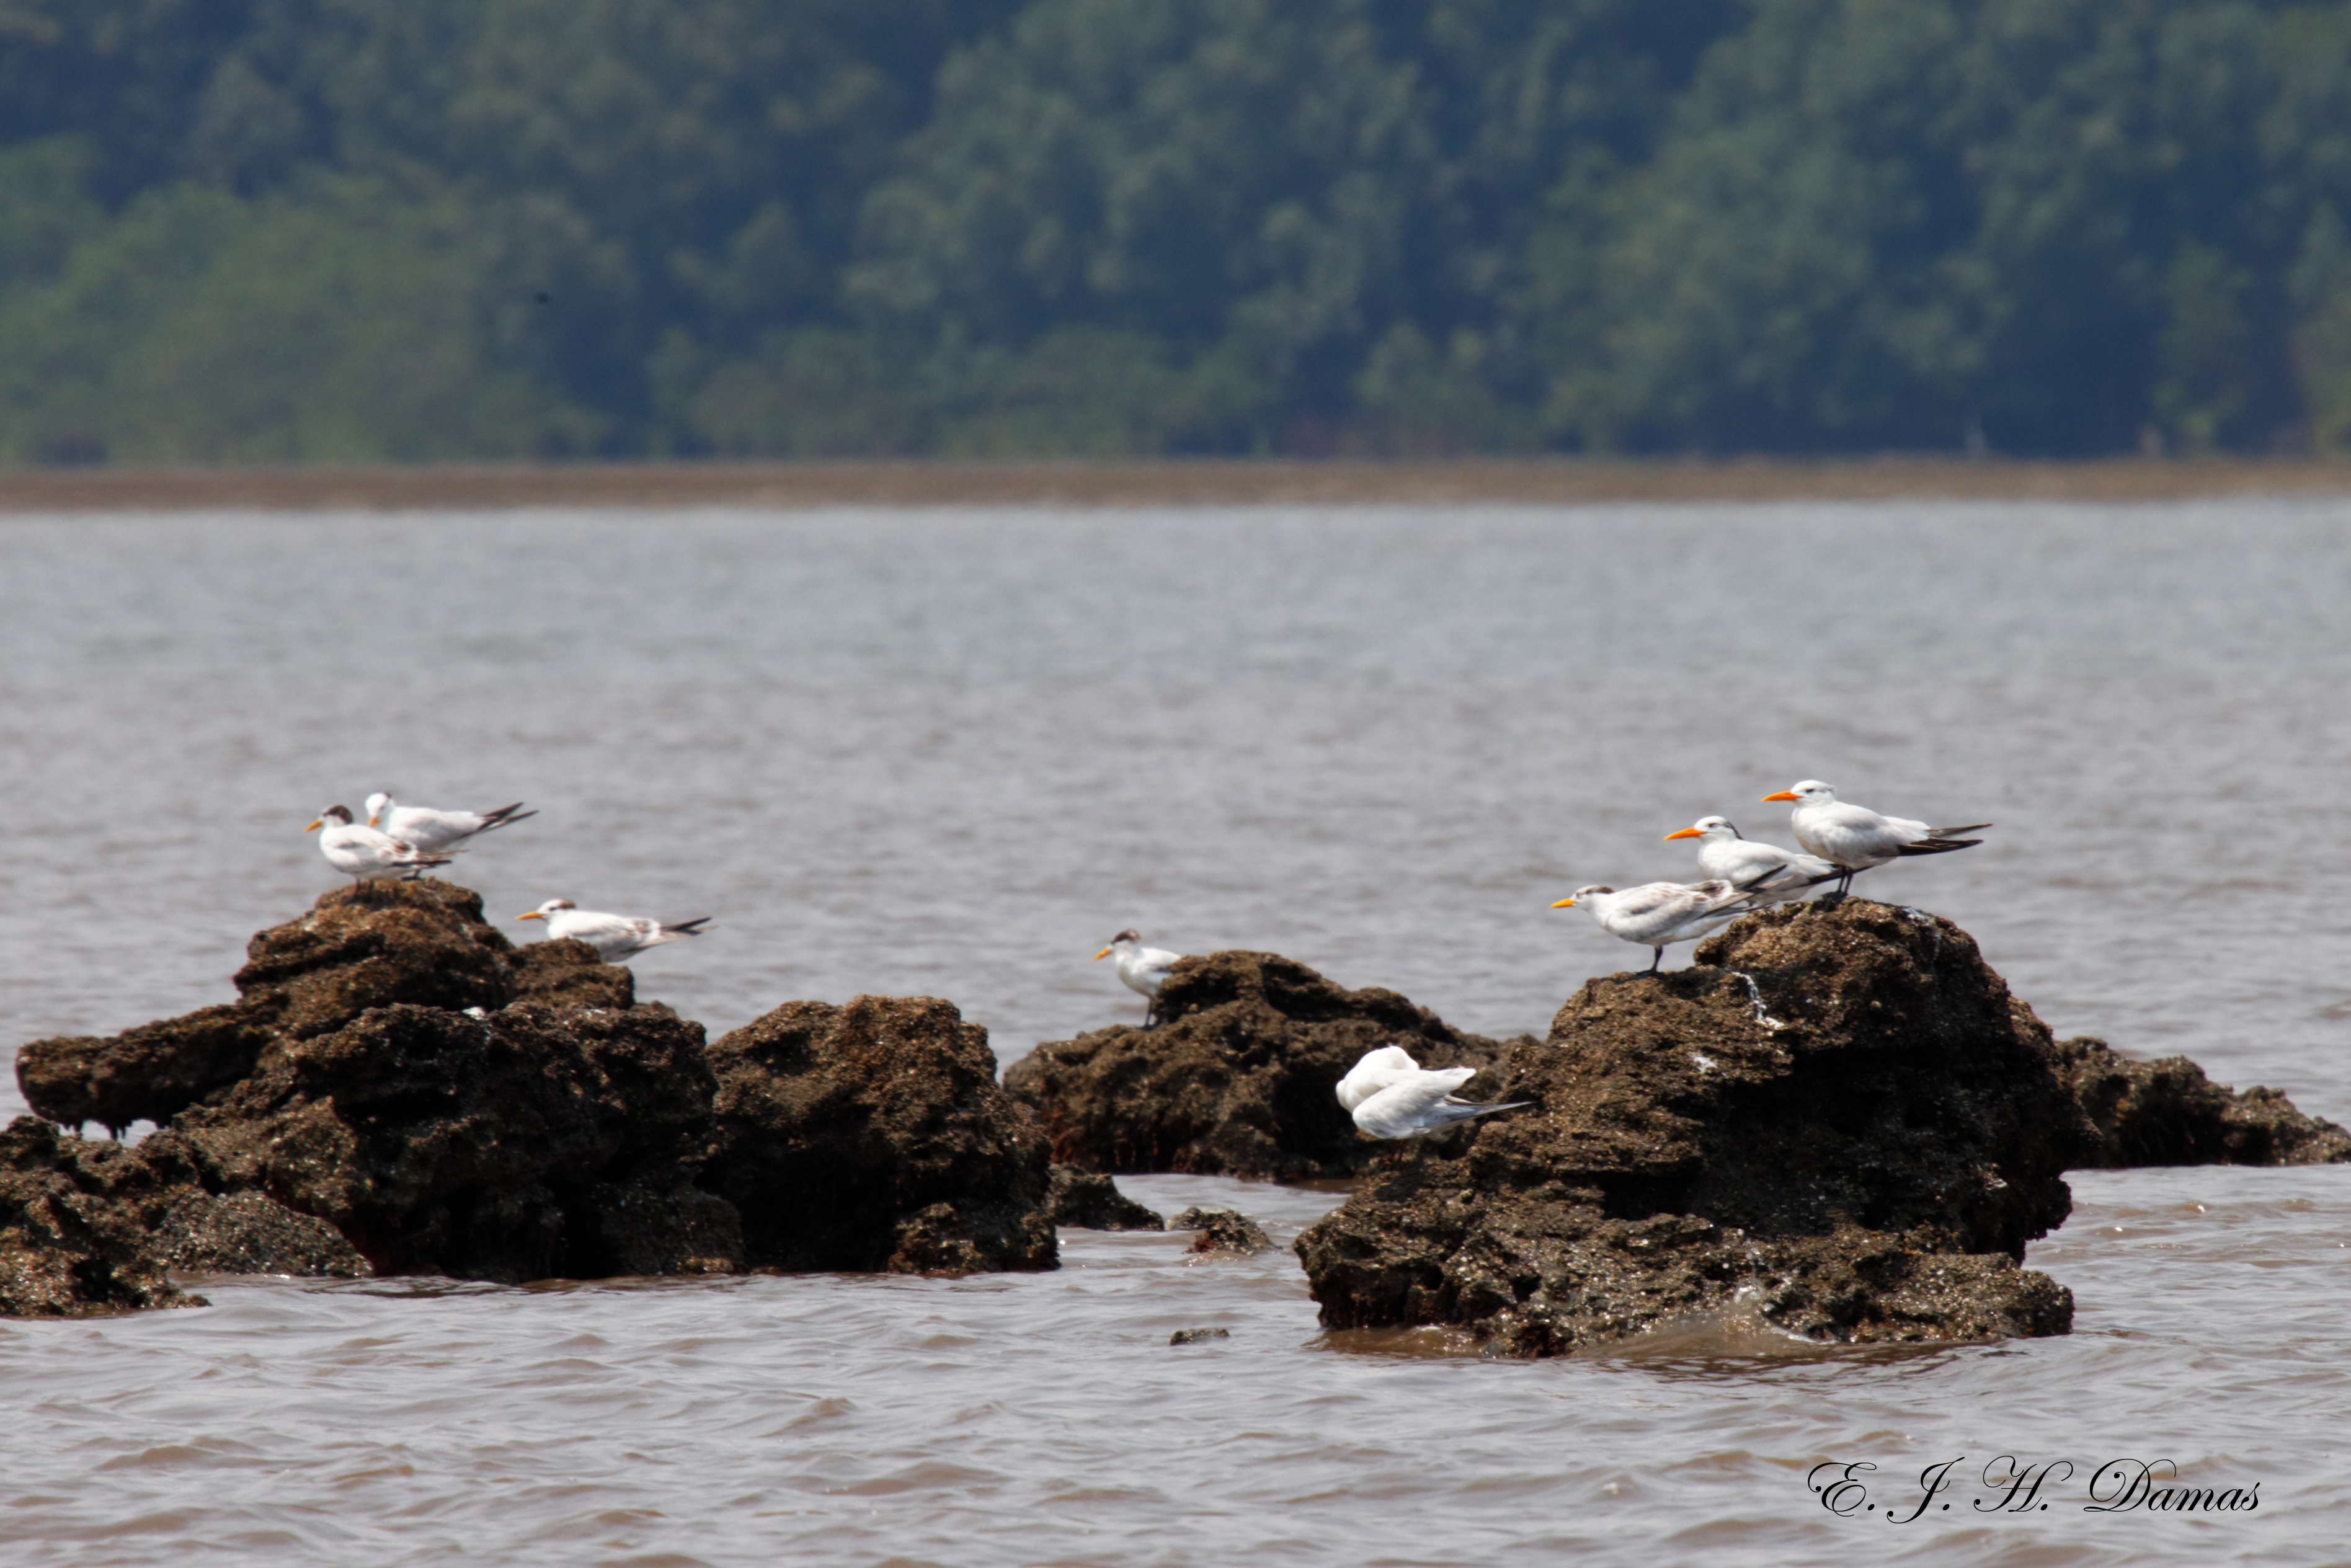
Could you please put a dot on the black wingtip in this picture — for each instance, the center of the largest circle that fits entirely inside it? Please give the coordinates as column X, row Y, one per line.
column 1936, row 846
column 687, row 928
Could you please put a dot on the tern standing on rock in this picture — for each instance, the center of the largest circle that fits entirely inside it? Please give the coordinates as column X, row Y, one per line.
column 1659, row 913
column 363, row 854
column 432, row 831
column 1143, row 969
column 1390, row 1095
column 1856, row 838
column 614, row 937
column 1758, row 868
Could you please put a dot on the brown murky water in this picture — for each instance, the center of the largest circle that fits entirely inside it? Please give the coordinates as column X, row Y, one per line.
column 951, row 753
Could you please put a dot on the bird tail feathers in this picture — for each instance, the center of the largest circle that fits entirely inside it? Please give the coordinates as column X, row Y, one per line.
column 1936, row 846
column 1462, row 1109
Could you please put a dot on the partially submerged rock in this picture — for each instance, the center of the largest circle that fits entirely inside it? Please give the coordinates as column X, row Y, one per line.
column 1237, row 1079
column 1836, row 1113
column 1225, row 1230
column 1084, row 1200
column 875, row 1136
column 530, row 1142
column 248, row 1233
column 399, row 1090
column 422, row 943
column 2167, row 1113
column 75, row 1221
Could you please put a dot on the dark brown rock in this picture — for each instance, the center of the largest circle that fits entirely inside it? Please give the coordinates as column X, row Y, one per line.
column 1199, row 1336
column 488, row 1148
column 149, row 1074
column 1221, row 1230
column 1836, row 1113
column 1083, row 1200
column 420, row 943
column 2167, row 1113
column 75, row 1221
column 423, row 943
column 247, row 1233
column 874, row 1136
column 571, row 974
column 1237, row 1079
column 400, row 1090
column 645, row 1227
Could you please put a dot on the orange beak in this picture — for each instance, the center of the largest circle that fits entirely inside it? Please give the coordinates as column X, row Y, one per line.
column 1685, row 833
column 1103, row 954
column 1781, row 795
column 1563, row 903
column 316, row 826
column 534, row 914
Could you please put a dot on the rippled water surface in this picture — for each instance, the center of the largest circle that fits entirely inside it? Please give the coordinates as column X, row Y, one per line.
column 953, row 752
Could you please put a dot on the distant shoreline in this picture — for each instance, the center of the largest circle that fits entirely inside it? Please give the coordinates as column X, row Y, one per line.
column 1161, row 483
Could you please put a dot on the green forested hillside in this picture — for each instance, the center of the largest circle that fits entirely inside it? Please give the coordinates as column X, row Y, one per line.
column 292, row 230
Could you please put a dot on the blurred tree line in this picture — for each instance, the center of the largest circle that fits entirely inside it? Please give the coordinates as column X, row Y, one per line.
column 290, row 230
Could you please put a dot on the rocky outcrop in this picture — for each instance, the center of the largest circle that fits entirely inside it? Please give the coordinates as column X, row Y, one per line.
column 874, row 1136
column 76, row 1217
column 530, row 1142
column 422, row 943
column 1083, row 1200
column 1836, row 1116
column 2167, row 1113
column 1222, row 1230
column 250, row 1234
column 1236, row 1078
column 150, row 1073
column 398, row 1090
column 571, row 974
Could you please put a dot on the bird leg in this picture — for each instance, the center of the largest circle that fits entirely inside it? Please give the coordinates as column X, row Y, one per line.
column 1657, row 960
